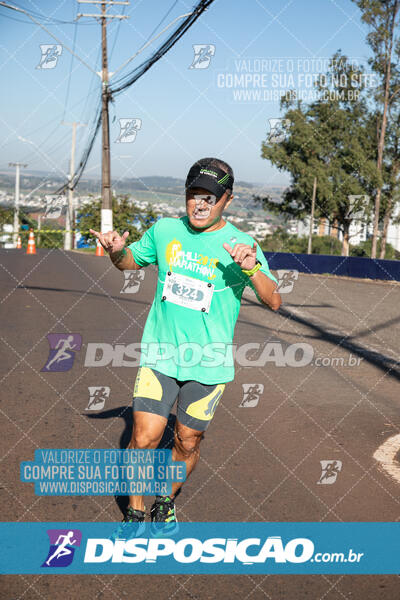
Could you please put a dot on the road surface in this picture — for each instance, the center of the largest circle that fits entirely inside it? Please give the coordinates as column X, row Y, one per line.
column 261, row 455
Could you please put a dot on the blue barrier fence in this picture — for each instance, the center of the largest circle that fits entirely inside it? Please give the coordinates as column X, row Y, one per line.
column 351, row 266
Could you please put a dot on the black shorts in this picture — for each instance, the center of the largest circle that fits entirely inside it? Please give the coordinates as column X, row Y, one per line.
column 156, row 393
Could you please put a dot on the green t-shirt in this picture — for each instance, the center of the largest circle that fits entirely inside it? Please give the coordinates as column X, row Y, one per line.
column 193, row 343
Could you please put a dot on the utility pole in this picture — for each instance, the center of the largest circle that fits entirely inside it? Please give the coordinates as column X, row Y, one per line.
column 17, row 166
column 39, row 226
column 102, row 17
column 70, row 217
column 106, row 194
column 106, row 205
column 314, row 193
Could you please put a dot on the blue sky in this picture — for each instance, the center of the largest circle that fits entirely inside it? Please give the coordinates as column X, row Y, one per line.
column 186, row 113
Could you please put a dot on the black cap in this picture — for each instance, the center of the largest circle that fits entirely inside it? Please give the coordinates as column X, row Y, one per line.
column 211, row 178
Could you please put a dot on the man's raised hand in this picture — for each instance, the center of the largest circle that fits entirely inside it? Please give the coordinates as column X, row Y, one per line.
column 112, row 242
column 243, row 255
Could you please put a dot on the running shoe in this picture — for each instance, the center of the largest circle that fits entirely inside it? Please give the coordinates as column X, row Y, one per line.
column 131, row 526
column 163, row 517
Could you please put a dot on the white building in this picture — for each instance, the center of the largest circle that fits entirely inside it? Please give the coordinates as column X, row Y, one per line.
column 358, row 231
column 393, row 236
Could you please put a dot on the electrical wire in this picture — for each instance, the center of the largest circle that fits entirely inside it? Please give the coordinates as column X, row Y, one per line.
column 117, row 32
column 128, row 80
column 70, row 69
column 136, row 73
column 28, row 14
column 85, row 157
column 162, row 20
column 50, row 20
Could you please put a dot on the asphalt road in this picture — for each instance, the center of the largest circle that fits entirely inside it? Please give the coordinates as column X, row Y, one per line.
column 260, row 461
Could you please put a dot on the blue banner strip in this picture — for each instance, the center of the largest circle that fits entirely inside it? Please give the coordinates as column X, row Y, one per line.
column 350, row 266
column 201, row 548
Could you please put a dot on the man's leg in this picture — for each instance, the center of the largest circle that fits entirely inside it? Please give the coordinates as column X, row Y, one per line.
column 197, row 404
column 186, row 448
column 153, row 398
column 147, row 432
column 196, row 407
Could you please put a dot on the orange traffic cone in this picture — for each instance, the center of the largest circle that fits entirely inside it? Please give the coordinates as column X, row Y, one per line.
column 31, row 249
column 19, row 243
column 99, row 249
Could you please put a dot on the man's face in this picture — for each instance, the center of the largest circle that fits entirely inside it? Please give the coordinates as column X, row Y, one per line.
column 203, row 214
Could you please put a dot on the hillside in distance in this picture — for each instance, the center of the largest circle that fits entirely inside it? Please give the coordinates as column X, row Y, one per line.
column 152, row 188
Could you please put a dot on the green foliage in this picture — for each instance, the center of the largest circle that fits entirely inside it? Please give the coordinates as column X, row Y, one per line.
column 126, row 217
column 364, row 250
column 333, row 140
column 50, row 236
column 281, row 241
column 45, row 239
column 6, row 217
column 326, row 244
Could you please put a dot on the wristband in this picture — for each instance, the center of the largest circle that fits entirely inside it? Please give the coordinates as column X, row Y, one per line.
column 251, row 272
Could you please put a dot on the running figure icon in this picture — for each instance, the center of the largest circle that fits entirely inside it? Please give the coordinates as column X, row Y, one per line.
column 62, row 346
column 62, row 549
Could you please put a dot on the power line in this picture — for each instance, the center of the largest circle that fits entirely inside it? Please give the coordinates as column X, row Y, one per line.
column 70, row 70
column 117, row 32
column 106, row 194
column 163, row 19
column 130, row 78
column 11, row 7
column 85, row 157
column 136, row 73
column 50, row 20
column 174, row 37
column 91, row 89
column 33, row 152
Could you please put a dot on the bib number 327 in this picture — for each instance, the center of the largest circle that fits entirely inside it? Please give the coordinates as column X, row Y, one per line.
column 187, row 291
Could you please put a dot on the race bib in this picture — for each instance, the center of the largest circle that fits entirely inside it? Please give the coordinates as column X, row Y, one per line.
column 187, row 291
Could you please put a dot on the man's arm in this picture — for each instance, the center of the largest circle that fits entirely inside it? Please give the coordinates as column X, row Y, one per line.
column 246, row 256
column 114, row 244
column 123, row 260
column 266, row 290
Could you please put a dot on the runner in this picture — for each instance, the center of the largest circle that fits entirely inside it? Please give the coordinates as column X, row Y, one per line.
column 204, row 264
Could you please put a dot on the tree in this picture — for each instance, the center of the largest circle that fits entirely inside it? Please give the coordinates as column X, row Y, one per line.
column 281, row 241
column 329, row 140
column 126, row 217
column 6, row 217
column 391, row 192
column 382, row 18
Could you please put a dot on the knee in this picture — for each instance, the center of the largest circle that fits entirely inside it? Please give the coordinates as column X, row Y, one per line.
column 188, row 444
column 143, row 438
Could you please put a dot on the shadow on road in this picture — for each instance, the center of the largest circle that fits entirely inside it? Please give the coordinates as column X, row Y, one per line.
column 387, row 365
column 125, row 413
column 98, row 294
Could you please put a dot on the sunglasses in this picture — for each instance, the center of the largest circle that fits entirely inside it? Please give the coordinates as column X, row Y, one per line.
column 211, row 199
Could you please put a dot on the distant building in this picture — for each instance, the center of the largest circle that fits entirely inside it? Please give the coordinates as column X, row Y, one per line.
column 259, row 229
column 393, row 236
column 358, row 231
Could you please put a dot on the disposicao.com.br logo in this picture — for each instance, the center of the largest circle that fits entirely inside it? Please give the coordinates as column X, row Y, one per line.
column 247, row 551
column 206, row 547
